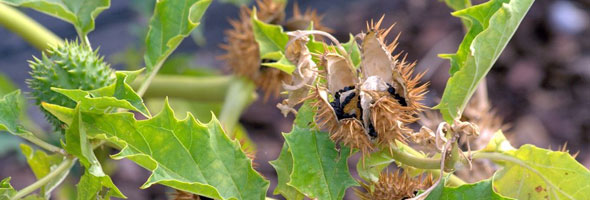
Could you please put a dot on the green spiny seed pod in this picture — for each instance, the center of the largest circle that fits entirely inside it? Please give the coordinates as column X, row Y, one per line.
column 68, row 66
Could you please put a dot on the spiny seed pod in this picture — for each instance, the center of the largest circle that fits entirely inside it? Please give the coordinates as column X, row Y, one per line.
column 68, row 66
column 242, row 52
column 394, row 186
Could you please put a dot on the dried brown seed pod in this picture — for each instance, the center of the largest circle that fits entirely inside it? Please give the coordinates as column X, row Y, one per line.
column 242, row 51
column 393, row 186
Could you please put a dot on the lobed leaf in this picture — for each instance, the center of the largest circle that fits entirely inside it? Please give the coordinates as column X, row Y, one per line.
column 81, row 13
column 272, row 41
column 173, row 20
column 183, row 154
column 284, row 167
column 534, row 173
column 319, row 170
column 9, row 113
column 491, row 25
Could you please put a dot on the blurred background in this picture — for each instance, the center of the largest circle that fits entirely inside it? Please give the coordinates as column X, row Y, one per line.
column 540, row 85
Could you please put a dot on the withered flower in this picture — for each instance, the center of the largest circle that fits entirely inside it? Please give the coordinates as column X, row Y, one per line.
column 394, row 186
column 242, row 51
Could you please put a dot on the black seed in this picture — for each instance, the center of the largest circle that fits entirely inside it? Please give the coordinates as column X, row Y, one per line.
column 372, row 131
column 401, row 100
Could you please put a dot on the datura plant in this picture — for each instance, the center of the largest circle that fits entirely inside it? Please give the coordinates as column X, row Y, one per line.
column 361, row 97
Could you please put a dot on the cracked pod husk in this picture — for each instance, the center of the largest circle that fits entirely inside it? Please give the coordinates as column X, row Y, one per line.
column 242, row 51
column 393, row 186
column 68, row 66
column 390, row 94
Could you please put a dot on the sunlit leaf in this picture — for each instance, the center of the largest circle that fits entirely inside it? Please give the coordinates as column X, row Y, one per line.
column 80, row 13
column 491, row 25
column 534, row 173
column 272, row 41
column 183, row 154
column 6, row 190
column 173, row 20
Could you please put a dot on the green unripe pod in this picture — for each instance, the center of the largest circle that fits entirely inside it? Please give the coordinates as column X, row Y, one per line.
column 68, row 66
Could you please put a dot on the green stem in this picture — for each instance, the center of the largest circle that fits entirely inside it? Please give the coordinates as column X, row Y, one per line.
column 414, row 161
column 62, row 167
column 239, row 95
column 27, row 28
column 203, row 89
column 35, row 140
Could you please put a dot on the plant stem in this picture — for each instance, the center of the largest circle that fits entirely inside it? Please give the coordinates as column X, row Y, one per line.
column 35, row 140
column 63, row 166
column 239, row 95
column 27, row 28
column 414, row 161
column 204, row 89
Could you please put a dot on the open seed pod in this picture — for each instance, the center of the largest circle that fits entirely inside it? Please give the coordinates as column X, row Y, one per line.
column 242, row 51
column 342, row 115
column 390, row 96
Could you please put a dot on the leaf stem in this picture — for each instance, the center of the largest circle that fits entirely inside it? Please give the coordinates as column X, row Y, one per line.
column 63, row 166
column 147, row 82
column 27, row 28
column 204, row 89
column 410, row 160
column 239, row 95
column 37, row 141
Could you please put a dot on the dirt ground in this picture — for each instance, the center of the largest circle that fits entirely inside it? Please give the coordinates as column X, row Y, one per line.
column 540, row 85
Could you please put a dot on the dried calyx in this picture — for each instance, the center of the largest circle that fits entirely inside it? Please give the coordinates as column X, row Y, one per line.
column 397, row 185
column 68, row 66
column 242, row 51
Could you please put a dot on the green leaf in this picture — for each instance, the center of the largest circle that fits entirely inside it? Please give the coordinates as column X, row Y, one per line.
column 42, row 164
column 491, row 25
column 6, row 190
column 458, row 4
column 78, row 144
column 183, row 154
column 9, row 113
column 173, row 20
column 481, row 190
column 498, row 143
column 370, row 169
column 319, row 170
column 353, row 51
column 284, row 167
column 271, row 41
column 534, row 173
column 81, row 13
column 116, row 95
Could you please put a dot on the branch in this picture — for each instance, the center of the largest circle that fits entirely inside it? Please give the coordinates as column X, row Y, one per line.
column 27, row 28
column 204, row 89
column 63, row 166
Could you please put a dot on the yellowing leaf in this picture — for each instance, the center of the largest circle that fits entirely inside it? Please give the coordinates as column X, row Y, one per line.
column 534, row 173
column 42, row 164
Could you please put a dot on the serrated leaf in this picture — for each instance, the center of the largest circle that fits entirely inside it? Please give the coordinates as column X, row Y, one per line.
column 319, row 170
column 42, row 164
column 534, row 173
column 94, row 179
column 6, row 190
column 80, row 13
column 183, row 154
column 482, row 190
column 116, row 95
column 284, row 167
column 491, row 25
column 173, row 20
